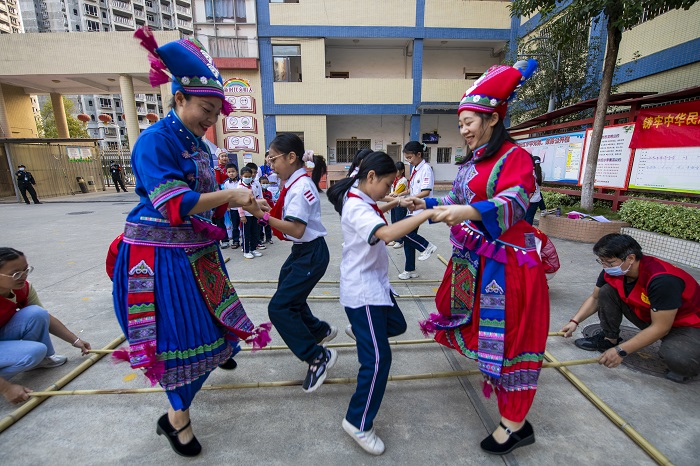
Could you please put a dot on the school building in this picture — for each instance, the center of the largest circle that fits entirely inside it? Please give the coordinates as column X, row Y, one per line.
column 343, row 74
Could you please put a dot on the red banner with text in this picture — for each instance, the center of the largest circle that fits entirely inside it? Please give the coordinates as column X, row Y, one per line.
column 668, row 126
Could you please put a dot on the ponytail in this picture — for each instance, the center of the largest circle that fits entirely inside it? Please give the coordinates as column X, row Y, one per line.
column 319, row 170
column 379, row 162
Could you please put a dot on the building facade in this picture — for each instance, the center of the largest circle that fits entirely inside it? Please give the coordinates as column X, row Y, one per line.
column 10, row 18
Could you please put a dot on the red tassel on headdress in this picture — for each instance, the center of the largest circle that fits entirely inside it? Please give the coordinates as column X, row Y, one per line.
column 146, row 38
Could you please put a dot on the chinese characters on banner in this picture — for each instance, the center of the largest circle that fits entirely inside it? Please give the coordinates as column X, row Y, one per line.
column 560, row 155
column 614, row 157
column 668, row 126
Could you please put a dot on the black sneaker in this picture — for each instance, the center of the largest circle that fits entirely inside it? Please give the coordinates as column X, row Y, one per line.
column 318, row 370
column 235, row 245
column 229, row 365
column 597, row 342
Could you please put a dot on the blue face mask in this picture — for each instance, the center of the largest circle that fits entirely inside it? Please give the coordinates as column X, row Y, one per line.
column 616, row 271
column 247, row 180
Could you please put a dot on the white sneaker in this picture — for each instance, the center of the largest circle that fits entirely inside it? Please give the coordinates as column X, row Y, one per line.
column 349, row 332
column 391, row 243
column 248, row 255
column 256, row 253
column 52, row 361
column 405, row 275
column 368, row 440
column 398, row 246
column 425, row 255
column 332, row 333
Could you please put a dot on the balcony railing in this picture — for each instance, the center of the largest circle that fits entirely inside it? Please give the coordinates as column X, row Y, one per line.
column 165, row 9
column 233, row 48
column 139, row 13
column 167, row 23
column 123, row 21
column 184, row 24
column 183, row 10
column 141, row 110
column 121, row 5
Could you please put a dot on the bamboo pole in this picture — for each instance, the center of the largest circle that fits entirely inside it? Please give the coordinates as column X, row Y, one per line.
column 36, row 400
column 289, row 383
column 630, row 431
column 324, row 298
column 335, row 345
column 330, row 282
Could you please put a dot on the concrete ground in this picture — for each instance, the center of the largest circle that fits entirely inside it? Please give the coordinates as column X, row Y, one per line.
column 437, row 421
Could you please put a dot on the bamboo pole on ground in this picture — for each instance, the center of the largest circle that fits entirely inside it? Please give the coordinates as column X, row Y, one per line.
column 289, row 383
column 630, row 431
column 330, row 282
column 329, row 298
column 335, row 345
column 36, row 400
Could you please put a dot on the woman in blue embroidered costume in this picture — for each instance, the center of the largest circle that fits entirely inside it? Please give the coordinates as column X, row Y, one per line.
column 493, row 303
column 172, row 295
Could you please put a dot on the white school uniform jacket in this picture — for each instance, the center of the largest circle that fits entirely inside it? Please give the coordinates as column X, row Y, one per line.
column 364, row 270
column 303, row 204
column 422, row 178
column 257, row 194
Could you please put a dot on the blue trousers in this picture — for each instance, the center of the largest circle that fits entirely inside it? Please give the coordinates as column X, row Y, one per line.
column 288, row 310
column 532, row 209
column 372, row 326
column 24, row 341
column 411, row 242
column 398, row 214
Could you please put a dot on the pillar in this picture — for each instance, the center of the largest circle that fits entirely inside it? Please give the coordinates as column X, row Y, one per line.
column 4, row 119
column 220, row 137
column 126, row 86
column 166, row 96
column 59, row 114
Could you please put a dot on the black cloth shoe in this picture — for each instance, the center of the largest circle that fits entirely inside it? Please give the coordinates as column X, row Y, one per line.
column 520, row 438
column 676, row 377
column 193, row 448
column 597, row 342
column 229, row 365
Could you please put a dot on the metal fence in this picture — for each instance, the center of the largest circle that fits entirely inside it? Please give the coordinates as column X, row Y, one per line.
column 58, row 165
column 123, row 158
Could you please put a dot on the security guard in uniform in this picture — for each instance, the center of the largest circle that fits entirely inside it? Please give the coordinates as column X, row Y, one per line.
column 116, row 170
column 25, row 182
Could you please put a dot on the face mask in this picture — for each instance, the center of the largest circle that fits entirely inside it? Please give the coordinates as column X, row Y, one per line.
column 21, row 169
column 265, row 186
column 247, row 180
column 616, row 271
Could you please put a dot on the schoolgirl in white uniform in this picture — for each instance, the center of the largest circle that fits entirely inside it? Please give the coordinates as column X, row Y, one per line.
column 296, row 217
column 420, row 184
column 365, row 291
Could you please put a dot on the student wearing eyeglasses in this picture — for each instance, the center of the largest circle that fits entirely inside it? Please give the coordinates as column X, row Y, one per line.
column 25, row 326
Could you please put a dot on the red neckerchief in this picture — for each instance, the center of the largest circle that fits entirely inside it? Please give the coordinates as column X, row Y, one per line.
column 415, row 170
column 374, row 206
column 393, row 186
column 278, row 208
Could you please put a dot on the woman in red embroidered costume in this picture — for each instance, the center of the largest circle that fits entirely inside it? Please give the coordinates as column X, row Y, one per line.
column 172, row 295
column 493, row 303
column 25, row 326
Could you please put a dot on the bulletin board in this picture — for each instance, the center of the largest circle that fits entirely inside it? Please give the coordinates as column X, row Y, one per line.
column 614, row 157
column 674, row 169
column 560, row 155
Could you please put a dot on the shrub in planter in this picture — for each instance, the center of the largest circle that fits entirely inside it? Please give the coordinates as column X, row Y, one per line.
column 673, row 220
column 553, row 199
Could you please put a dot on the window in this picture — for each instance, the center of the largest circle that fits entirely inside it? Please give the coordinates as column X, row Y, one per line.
column 149, row 3
column 92, row 25
column 219, row 10
column 150, row 17
column 77, row 28
column 345, row 149
column 90, row 103
column 444, row 155
column 287, row 63
column 284, row 1
column 426, row 154
column 75, row 12
column 105, row 103
column 104, row 14
column 91, row 10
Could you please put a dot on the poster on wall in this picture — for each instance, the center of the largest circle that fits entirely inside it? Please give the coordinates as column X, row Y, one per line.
column 668, row 126
column 249, row 143
column 667, row 169
column 560, row 155
column 614, row 157
column 241, row 103
column 79, row 154
column 243, row 123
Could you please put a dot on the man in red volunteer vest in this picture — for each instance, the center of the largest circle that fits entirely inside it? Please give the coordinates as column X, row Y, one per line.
column 659, row 298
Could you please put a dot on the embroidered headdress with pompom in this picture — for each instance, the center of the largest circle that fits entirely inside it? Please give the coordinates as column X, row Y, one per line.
column 495, row 88
column 185, row 62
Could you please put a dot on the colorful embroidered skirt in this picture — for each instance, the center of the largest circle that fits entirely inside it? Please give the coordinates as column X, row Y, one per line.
column 189, row 341
column 526, row 326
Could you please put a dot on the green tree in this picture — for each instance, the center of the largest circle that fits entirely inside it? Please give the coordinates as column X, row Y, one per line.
column 618, row 15
column 47, row 125
column 562, row 48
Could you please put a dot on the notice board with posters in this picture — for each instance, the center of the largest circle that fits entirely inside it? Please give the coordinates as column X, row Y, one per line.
column 674, row 169
column 614, row 157
column 560, row 155
column 667, row 148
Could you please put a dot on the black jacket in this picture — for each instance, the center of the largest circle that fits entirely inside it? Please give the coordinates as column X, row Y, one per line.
column 24, row 178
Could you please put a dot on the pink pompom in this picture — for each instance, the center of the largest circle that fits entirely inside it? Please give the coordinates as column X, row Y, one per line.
column 226, row 107
column 157, row 77
column 260, row 336
column 155, row 373
column 146, row 38
column 120, row 355
column 487, row 388
column 427, row 327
